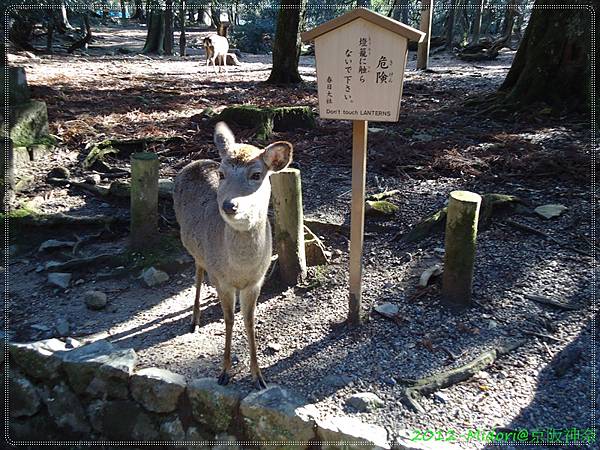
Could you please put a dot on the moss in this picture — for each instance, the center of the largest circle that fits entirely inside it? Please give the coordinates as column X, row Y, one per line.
column 164, row 255
column 266, row 120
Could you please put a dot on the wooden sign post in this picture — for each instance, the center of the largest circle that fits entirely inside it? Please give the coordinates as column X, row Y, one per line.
column 361, row 57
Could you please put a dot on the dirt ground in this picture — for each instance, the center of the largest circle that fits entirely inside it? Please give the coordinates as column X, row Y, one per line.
column 439, row 144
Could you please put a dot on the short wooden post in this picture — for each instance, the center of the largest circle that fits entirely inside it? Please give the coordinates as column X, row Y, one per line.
column 357, row 218
column 286, row 189
column 460, row 241
column 144, row 200
column 425, row 26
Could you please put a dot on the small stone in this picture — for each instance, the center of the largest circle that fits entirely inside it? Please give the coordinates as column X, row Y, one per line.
column 364, row 401
column 441, row 397
column 158, row 390
column 275, row 347
column 59, row 172
column 72, row 343
column 153, row 277
column 93, row 179
column 428, row 274
column 349, row 432
column 388, row 310
column 337, row 381
column 551, row 210
column 59, row 279
column 380, row 208
column 62, row 327
column 95, row 300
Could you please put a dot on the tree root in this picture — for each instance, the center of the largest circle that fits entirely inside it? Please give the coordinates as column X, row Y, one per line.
column 33, row 220
column 425, row 386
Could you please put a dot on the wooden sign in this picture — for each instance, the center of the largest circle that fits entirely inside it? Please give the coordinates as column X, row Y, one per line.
column 361, row 57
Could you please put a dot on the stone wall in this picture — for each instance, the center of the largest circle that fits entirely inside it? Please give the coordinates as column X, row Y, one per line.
column 62, row 391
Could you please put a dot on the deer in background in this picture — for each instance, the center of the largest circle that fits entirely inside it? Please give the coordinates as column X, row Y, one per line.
column 216, row 47
column 222, row 212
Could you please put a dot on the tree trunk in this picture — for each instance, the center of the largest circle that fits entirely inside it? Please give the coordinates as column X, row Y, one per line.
column 168, row 39
column 182, row 42
column 159, row 38
column 64, row 18
column 105, row 9
column 509, row 20
column 123, row 10
column 286, row 45
column 86, row 39
column 139, row 11
column 450, row 25
column 215, row 17
column 363, row 3
column 552, row 64
column 477, row 21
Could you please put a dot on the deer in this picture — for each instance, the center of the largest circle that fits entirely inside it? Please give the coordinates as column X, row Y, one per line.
column 222, row 212
column 216, row 47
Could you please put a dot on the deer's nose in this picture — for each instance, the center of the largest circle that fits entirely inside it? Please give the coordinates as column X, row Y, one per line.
column 229, row 207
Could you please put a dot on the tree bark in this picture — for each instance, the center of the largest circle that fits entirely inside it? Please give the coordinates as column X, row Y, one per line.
column 450, row 24
column 286, row 45
column 144, row 200
column 139, row 11
column 123, row 10
column 86, row 39
column 509, row 19
column 168, row 39
column 553, row 62
column 182, row 40
column 159, row 38
column 64, row 17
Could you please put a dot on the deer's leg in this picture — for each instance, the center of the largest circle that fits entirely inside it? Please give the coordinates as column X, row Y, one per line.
column 227, row 299
column 214, row 61
column 196, row 312
column 248, row 298
column 224, row 62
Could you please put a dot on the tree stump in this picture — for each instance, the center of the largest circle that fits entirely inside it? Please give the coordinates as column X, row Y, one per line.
column 289, row 225
column 461, row 236
column 144, row 200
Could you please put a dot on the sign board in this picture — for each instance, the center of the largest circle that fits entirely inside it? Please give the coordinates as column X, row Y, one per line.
column 361, row 58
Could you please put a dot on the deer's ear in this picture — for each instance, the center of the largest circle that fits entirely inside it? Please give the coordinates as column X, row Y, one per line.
column 224, row 139
column 278, row 156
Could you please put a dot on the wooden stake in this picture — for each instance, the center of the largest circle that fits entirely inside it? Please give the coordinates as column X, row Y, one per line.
column 144, row 200
column 357, row 218
column 425, row 26
column 460, row 240
column 289, row 225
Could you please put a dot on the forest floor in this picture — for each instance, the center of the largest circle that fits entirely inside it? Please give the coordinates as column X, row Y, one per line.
column 438, row 145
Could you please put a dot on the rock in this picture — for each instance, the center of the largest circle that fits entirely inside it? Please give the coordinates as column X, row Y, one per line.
column 350, row 433
column 99, row 369
column 18, row 90
column 423, row 137
column 66, row 410
column 126, row 420
column 93, row 179
column 59, row 172
column 314, row 249
column 40, row 360
column 364, row 401
column 226, row 441
column 200, row 440
column 388, row 310
column 72, row 343
column 62, row 327
column 441, row 397
column 28, row 122
column 428, row 274
column 275, row 414
column 94, row 412
column 172, row 430
column 337, row 381
column 158, row 390
column 212, row 404
column 24, row 397
column 551, row 210
column 52, row 244
column 59, row 279
column 95, row 300
column 380, row 208
column 274, row 346
column 153, row 277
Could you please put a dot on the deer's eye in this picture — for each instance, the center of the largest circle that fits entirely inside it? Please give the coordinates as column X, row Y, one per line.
column 255, row 176
column 221, row 175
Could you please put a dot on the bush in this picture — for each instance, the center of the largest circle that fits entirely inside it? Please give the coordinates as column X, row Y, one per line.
column 253, row 37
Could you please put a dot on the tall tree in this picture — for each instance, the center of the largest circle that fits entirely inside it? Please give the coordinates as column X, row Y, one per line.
column 450, row 24
column 159, row 38
column 182, row 41
column 477, row 20
column 286, row 45
column 553, row 62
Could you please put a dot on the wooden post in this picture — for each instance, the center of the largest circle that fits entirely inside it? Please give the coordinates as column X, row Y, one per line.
column 357, row 218
column 144, row 200
column 461, row 237
column 425, row 26
column 289, row 225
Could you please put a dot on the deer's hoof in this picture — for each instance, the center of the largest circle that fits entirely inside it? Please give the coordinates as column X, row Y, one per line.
column 223, row 378
column 260, row 383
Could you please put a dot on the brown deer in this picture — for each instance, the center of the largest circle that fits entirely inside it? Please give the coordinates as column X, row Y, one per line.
column 222, row 212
